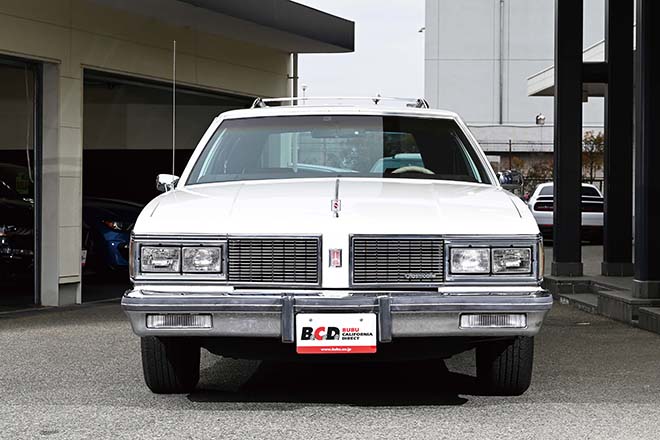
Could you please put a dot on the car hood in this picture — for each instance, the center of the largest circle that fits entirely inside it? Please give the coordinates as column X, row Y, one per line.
column 368, row 206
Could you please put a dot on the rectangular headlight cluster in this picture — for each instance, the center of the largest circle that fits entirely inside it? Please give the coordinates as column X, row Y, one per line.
column 487, row 260
column 181, row 259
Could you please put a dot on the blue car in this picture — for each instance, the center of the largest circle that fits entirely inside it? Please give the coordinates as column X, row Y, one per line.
column 107, row 226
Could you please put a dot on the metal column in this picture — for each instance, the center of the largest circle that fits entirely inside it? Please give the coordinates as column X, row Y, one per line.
column 647, row 153
column 567, row 255
column 617, row 233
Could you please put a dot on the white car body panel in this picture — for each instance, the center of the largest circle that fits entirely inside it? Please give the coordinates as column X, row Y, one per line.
column 545, row 218
column 303, row 206
column 588, row 218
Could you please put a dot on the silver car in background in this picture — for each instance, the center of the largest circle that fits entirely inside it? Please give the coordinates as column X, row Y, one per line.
column 542, row 205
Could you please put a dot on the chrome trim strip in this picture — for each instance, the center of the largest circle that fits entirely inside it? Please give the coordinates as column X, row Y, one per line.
column 274, row 316
column 414, row 102
column 384, row 319
column 288, row 320
column 138, row 300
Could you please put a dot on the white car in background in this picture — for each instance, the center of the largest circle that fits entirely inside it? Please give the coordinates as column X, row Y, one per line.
column 365, row 231
column 541, row 203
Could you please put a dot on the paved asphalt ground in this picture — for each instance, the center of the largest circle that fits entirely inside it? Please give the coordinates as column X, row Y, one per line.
column 77, row 374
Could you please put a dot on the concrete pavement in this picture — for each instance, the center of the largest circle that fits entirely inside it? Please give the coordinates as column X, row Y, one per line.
column 77, row 374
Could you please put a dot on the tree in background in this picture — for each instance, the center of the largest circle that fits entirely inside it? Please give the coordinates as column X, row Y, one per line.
column 539, row 172
column 593, row 145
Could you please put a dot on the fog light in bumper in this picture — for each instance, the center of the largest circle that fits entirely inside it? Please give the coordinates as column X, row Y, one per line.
column 179, row 321
column 494, row 320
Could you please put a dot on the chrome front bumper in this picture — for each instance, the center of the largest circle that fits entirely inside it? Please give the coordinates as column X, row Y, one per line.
column 267, row 313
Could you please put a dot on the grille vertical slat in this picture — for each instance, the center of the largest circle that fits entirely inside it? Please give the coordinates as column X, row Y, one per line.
column 274, row 260
column 401, row 260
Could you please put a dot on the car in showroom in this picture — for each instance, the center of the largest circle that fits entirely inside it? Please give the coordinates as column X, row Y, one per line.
column 249, row 256
column 542, row 205
column 16, row 223
column 107, row 225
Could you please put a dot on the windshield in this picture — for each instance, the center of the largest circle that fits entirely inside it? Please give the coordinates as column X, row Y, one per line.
column 286, row 147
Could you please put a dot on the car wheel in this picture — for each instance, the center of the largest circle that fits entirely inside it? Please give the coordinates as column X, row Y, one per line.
column 170, row 365
column 504, row 367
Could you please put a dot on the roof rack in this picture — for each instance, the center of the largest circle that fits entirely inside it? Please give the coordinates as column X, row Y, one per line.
column 264, row 102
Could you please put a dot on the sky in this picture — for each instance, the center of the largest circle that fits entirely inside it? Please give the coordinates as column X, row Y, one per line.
column 389, row 51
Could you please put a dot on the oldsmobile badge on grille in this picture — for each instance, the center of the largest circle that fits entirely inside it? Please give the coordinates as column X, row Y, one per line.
column 335, row 204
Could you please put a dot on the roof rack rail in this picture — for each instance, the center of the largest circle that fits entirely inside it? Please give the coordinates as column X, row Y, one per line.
column 410, row 102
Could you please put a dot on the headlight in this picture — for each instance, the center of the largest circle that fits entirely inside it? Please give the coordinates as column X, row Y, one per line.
column 202, row 259
column 160, row 259
column 470, row 260
column 512, row 260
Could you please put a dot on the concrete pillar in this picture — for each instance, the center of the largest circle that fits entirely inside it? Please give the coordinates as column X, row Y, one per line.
column 567, row 252
column 61, row 204
column 617, row 233
column 49, row 282
column 647, row 154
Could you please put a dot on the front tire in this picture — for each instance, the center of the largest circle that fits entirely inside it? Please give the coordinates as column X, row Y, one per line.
column 170, row 365
column 504, row 367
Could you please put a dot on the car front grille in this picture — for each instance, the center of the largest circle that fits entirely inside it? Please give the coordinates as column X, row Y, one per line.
column 397, row 261
column 274, row 260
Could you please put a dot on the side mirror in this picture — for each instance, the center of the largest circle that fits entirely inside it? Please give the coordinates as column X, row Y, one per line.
column 166, row 182
column 511, row 180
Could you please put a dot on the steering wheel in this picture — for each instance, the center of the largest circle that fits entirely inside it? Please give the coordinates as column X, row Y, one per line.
column 412, row 169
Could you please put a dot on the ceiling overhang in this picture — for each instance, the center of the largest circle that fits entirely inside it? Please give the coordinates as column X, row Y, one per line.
column 279, row 24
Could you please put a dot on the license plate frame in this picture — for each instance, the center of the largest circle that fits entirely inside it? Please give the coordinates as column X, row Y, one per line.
column 336, row 333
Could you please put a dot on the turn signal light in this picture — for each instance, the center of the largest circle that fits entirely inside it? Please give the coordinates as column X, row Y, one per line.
column 494, row 320
column 178, row 321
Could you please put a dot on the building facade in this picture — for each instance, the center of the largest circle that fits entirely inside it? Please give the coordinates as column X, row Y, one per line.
column 478, row 56
column 87, row 108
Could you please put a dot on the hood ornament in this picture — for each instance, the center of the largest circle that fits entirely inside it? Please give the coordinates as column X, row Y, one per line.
column 335, row 204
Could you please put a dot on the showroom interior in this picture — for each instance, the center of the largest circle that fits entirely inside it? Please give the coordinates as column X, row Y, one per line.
column 86, row 111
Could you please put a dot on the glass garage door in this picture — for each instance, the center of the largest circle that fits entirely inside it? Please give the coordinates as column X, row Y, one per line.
column 18, row 86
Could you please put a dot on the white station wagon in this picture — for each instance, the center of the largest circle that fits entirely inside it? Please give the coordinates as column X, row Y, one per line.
column 365, row 231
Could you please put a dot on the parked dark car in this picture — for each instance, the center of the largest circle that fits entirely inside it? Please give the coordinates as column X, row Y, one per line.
column 16, row 225
column 107, row 225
